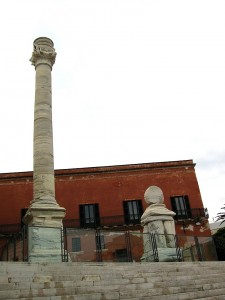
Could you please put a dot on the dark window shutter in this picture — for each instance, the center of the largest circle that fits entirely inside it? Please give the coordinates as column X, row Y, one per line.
column 82, row 217
column 180, row 205
column 140, row 209
column 188, row 207
column 173, row 204
column 96, row 213
column 126, row 212
column 174, row 207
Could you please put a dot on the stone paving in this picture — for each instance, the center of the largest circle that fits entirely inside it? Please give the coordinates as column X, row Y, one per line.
column 112, row 281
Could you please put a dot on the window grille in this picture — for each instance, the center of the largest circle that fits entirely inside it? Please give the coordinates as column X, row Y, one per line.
column 132, row 211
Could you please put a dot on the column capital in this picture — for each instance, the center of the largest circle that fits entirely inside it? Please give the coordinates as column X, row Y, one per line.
column 43, row 52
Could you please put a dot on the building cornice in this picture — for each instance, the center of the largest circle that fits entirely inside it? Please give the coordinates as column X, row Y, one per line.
column 104, row 169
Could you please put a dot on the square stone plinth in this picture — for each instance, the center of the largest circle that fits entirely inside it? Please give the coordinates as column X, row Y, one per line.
column 44, row 244
column 44, row 233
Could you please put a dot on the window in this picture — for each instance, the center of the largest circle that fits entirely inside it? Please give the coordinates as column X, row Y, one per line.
column 76, row 244
column 89, row 215
column 100, row 242
column 181, row 206
column 121, row 255
column 132, row 211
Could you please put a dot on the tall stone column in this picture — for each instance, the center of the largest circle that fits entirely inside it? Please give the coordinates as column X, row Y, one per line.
column 44, row 217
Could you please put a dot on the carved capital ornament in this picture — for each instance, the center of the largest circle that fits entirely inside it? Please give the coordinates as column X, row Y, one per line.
column 43, row 52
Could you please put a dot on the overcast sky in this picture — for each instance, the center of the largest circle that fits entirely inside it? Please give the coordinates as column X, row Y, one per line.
column 135, row 81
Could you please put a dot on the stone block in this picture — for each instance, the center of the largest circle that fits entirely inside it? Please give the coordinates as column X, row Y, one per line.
column 44, row 244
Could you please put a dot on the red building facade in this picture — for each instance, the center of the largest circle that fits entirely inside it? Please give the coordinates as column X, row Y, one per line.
column 112, row 196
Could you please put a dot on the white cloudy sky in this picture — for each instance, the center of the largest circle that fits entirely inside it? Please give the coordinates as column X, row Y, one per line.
column 135, row 81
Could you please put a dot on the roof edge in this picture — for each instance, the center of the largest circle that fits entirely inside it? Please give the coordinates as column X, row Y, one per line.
column 105, row 169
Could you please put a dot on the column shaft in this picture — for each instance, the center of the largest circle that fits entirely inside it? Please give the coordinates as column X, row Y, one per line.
column 44, row 185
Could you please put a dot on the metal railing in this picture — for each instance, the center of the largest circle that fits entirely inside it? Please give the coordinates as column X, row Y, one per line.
column 110, row 221
column 193, row 214
column 13, row 239
column 114, row 246
column 14, row 245
column 8, row 229
column 135, row 246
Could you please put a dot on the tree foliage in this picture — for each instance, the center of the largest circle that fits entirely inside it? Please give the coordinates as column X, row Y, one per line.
column 220, row 233
column 221, row 215
column 219, row 240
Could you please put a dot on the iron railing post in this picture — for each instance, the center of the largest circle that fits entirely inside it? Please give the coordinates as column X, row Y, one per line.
column 154, row 247
column 98, row 245
column 128, row 246
column 178, row 251
column 200, row 258
column 14, row 247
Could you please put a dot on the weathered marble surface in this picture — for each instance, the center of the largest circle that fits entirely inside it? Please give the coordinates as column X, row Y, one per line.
column 44, row 244
column 43, row 58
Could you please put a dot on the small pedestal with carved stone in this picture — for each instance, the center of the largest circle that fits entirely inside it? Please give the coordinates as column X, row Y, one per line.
column 159, row 228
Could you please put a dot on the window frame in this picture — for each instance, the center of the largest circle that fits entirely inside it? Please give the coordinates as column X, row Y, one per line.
column 133, row 211
column 181, row 206
column 89, row 215
column 76, row 247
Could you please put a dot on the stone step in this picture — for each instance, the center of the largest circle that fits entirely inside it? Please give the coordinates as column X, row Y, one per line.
column 96, row 279
column 62, row 281
column 117, row 284
column 212, row 298
column 94, row 297
column 82, row 266
column 93, row 281
column 116, row 295
column 186, row 295
column 132, row 290
column 17, row 270
column 181, row 297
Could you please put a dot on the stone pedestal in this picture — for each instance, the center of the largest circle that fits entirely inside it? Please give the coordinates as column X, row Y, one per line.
column 45, row 234
column 158, row 247
column 163, row 255
column 44, row 244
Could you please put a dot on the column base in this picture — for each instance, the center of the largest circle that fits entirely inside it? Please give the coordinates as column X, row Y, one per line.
column 46, row 216
column 44, row 234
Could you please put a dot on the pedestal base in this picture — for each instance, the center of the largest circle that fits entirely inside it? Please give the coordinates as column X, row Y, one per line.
column 44, row 244
column 44, row 234
column 164, row 255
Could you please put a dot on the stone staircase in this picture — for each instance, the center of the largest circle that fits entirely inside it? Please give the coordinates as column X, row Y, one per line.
column 112, row 281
